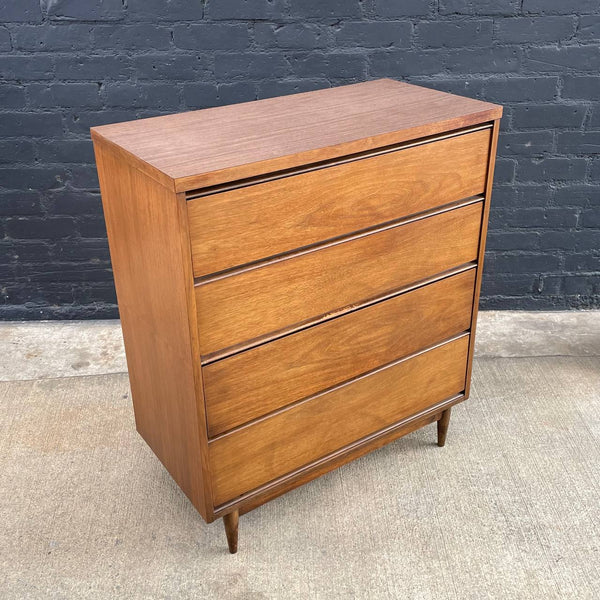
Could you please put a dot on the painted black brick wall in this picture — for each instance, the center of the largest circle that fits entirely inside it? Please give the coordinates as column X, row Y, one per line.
column 68, row 64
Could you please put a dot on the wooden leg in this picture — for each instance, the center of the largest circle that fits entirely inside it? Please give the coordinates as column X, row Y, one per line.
column 442, row 427
column 231, row 530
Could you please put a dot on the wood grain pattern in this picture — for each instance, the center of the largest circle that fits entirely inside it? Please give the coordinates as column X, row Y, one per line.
column 337, row 240
column 250, row 223
column 252, row 456
column 351, row 452
column 216, row 145
column 250, row 384
column 254, row 303
column 149, row 248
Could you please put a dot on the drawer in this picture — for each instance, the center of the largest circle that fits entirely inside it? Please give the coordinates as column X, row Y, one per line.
column 246, row 306
column 253, row 222
column 250, row 384
column 250, row 457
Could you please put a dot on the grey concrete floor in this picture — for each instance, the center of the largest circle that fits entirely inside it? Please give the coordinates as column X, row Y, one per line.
column 510, row 508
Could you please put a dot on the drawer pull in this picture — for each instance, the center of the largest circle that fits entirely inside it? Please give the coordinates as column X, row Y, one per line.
column 242, row 310
column 240, row 226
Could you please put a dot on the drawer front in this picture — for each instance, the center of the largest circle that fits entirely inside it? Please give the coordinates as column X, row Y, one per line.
column 250, row 384
column 259, row 453
column 287, row 293
column 247, row 224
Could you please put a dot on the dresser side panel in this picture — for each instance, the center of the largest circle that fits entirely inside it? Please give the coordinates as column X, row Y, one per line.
column 481, row 250
column 151, row 259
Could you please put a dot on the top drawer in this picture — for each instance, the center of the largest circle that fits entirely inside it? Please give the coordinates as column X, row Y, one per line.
column 257, row 221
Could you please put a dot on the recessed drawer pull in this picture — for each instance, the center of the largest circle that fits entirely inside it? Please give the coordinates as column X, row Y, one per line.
column 243, row 308
column 251, row 223
column 264, row 379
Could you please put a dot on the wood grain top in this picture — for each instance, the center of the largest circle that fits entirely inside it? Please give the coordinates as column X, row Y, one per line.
column 213, row 146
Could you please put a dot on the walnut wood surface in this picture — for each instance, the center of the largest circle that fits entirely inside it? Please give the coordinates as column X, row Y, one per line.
column 250, row 384
column 231, row 520
column 216, row 145
column 250, row 223
column 442, row 427
column 288, row 214
column 149, row 249
column 254, row 303
column 258, row 453
column 481, row 250
column 351, row 452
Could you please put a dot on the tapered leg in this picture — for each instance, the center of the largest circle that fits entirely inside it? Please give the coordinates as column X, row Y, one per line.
column 442, row 427
column 231, row 530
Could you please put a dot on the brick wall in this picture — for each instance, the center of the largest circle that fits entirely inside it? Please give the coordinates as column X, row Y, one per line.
column 68, row 64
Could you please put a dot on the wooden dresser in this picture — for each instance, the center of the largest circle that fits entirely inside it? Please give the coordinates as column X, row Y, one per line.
column 298, row 279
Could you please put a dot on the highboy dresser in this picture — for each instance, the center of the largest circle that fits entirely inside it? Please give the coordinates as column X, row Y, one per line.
column 298, row 279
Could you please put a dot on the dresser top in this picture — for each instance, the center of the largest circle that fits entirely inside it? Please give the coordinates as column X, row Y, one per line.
column 217, row 145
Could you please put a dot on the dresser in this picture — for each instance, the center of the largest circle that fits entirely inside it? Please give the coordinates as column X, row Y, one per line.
column 297, row 277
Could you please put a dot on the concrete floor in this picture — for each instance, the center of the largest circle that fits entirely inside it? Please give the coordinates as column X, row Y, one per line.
column 510, row 508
